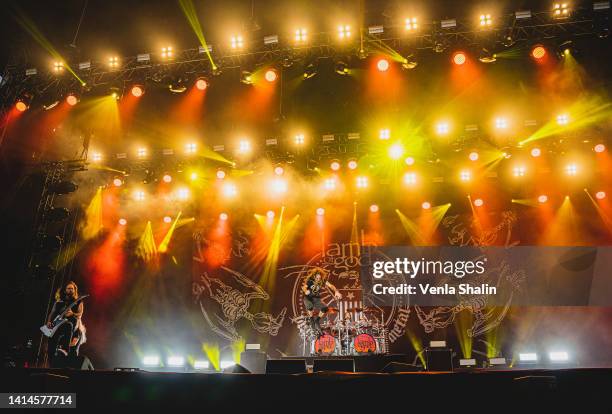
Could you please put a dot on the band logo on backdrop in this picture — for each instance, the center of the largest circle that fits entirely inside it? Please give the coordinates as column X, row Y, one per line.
column 225, row 295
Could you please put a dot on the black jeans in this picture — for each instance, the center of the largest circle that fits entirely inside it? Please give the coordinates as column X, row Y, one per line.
column 62, row 339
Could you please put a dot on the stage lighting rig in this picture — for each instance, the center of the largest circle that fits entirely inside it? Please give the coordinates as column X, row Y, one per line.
column 411, row 24
column 561, row 11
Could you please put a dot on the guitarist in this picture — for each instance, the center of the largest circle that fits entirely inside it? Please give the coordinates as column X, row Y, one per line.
column 312, row 289
column 69, row 337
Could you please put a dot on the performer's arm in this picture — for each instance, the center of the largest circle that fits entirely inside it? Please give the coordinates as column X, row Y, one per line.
column 337, row 293
column 76, row 313
column 52, row 313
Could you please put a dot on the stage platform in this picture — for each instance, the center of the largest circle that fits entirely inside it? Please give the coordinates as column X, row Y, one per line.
column 473, row 391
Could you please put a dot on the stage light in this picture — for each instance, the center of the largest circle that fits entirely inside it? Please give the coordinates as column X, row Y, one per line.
column 201, row 84
column 374, row 208
column 542, row 198
column 538, row 52
column 137, row 91
column 501, row 123
column 191, row 147
column 571, row 169
column 442, row 128
column 301, row 35
column 21, row 106
column 246, row 77
column 71, row 99
column 352, row 165
column 344, row 31
column 176, row 361
column 341, row 68
column 409, row 62
column 200, row 364
column 561, row 10
column 465, row 175
column 117, row 182
column 166, row 52
column 96, row 157
column 279, row 170
column 220, row 174
column 600, row 195
column 270, row 75
column 237, row 42
column 519, row 171
column 409, row 161
column 562, row 119
column 487, row 56
column 528, row 357
column 485, row 20
column 396, row 151
column 151, row 361
column 536, row 152
column 329, row 184
column 459, row 58
column 382, row 65
column 139, row 195
column 309, row 71
column 558, row 356
column 122, row 222
column 223, row 216
column 320, row 211
column 193, row 176
column 278, row 186
column 167, row 219
column 473, row 156
column 411, row 23
column 410, row 178
column 167, row 178
column 384, row 134
column 113, row 61
column 182, row 193
column 270, row 214
column 229, row 190
column 599, row 148
column 299, row 139
column 471, row 362
column 362, row 182
column 478, row 202
column 426, row 205
column 335, row 165
column 58, row 67
column 141, row 152
column 244, row 146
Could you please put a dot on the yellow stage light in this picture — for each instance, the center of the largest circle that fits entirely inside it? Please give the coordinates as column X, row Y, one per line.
column 330, row 184
column 411, row 23
column 141, row 152
column 519, row 171
column 562, row 119
column 301, row 35
column 220, row 174
column 96, row 157
column 182, row 193
column 362, row 182
column 166, row 52
column 237, row 42
column 442, row 128
column 244, row 146
column 278, row 186
column 486, row 20
column 426, row 205
column 409, row 161
column 396, row 151
column 229, row 190
column 139, row 195
column 113, row 61
column 384, row 133
column 410, row 178
column 501, row 123
column 374, row 208
column 352, row 165
column 465, row 175
column 191, row 148
column 473, row 156
column 335, row 165
column 344, row 31
column 571, row 169
column 167, row 178
column 299, row 139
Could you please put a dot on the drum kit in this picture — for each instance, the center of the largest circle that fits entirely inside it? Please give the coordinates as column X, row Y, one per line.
column 358, row 333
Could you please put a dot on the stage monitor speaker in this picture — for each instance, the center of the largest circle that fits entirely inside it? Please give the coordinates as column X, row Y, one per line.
column 286, row 366
column 439, row 359
column 236, row 369
column 393, row 367
column 79, row 362
column 254, row 361
column 336, row 365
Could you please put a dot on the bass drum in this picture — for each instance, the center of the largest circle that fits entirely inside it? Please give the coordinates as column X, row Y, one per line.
column 364, row 344
column 325, row 345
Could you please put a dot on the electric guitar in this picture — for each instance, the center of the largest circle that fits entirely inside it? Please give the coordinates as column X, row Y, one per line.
column 60, row 319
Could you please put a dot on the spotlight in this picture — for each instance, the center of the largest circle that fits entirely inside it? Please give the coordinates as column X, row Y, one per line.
column 166, row 52
column 409, row 62
column 176, row 361
column 542, row 199
column 270, row 214
column 558, row 356
column 341, row 68
column 320, row 211
column 113, row 61
column 478, row 202
column 384, row 134
column 396, row 151
column 139, row 195
column 71, row 99
column 193, row 176
column 167, row 178
column 301, row 35
column 344, row 31
column 562, row 119
column 246, row 77
column 117, row 182
column 335, row 165
column 599, row 148
column 538, row 52
column 310, row 71
column 223, row 216
column 141, row 152
column 442, row 128
column 410, row 178
column 473, row 156
column 501, row 123
column 352, row 165
column 96, row 157
column 237, row 42
column 571, row 169
column 21, row 105
column 220, row 174
column 519, row 171
column 529, row 357
column 486, row 56
column 182, row 193
column 426, row 205
column 279, row 170
column 382, row 65
column 201, row 84
column 299, row 139
column 485, row 20
column 167, row 219
column 465, row 175
column 362, row 182
column 536, row 152
column 459, row 58
column 151, row 361
column 58, row 67
column 244, row 146
column 191, row 148
column 560, row 10
column 137, row 91
column 270, row 75
column 409, row 161
column 411, row 24
column 122, row 222
column 600, row 195
column 374, row 208
column 229, row 190
column 279, row 186
column 330, row 184
column 200, row 364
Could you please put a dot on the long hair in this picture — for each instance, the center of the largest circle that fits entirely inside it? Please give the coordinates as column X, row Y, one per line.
column 59, row 293
column 312, row 272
